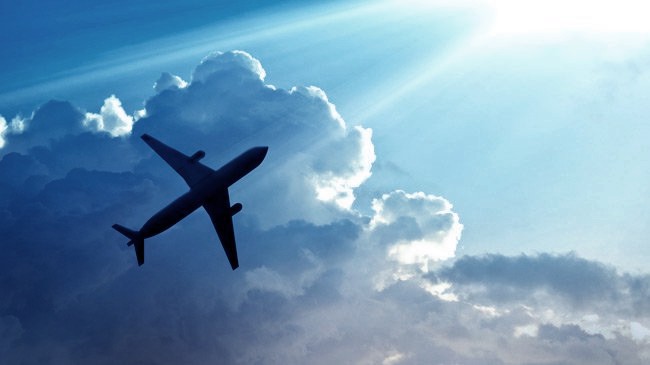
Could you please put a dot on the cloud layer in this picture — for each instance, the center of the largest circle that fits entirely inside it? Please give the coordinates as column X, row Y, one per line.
column 319, row 283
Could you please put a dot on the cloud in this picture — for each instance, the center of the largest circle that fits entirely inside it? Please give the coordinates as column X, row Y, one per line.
column 111, row 118
column 580, row 283
column 50, row 121
column 55, row 120
column 307, row 290
column 409, row 234
column 232, row 67
column 169, row 81
column 564, row 297
column 3, row 130
column 423, row 225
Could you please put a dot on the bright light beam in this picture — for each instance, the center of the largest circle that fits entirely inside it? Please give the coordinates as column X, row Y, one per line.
column 561, row 16
column 421, row 74
column 552, row 16
column 157, row 54
column 504, row 19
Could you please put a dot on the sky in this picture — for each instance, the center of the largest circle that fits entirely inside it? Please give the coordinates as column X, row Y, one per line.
column 447, row 182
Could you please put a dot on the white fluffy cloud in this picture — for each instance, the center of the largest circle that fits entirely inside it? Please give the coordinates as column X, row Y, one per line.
column 111, row 118
column 234, row 64
column 426, row 228
column 3, row 130
column 17, row 126
column 169, row 81
column 408, row 235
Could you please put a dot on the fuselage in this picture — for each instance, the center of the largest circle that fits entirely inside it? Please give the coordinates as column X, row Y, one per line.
column 203, row 191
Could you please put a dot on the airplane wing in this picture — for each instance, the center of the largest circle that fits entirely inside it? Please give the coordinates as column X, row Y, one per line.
column 190, row 169
column 220, row 213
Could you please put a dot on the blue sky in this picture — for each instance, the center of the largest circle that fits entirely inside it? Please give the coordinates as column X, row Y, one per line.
column 459, row 181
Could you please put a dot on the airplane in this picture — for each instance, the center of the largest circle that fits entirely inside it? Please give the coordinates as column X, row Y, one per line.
column 208, row 188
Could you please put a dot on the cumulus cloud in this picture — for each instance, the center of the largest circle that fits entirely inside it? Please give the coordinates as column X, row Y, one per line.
column 169, row 81
column 111, row 118
column 56, row 120
column 306, row 291
column 408, row 234
column 18, row 124
column 236, row 66
column 51, row 121
column 425, row 227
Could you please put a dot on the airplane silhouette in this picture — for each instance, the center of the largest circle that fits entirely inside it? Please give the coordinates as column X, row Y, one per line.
column 208, row 188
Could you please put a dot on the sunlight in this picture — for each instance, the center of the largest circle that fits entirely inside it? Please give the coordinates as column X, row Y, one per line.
column 553, row 16
column 182, row 48
column 419, row 77
column 506, row 19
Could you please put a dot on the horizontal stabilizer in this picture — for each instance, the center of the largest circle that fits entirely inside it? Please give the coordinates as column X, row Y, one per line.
column 135, row 239
column 125, row 231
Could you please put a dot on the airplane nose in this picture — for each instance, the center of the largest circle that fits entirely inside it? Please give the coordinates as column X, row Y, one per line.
column 258, row 154
column 264, row 150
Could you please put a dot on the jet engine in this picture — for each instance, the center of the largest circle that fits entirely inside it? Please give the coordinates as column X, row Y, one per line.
column 236, row 208
column 197, row 156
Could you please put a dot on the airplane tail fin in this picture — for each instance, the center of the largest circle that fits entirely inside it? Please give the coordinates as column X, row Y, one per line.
column 135, row 240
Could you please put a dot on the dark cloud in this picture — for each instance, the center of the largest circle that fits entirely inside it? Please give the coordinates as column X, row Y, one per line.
column 565, row 334
column 582, row 284
column 572, row 341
